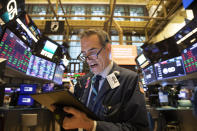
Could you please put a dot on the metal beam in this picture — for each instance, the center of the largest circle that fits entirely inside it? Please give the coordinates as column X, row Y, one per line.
column 52, row 9
column 176, row 6
column 106, row 16
column 153, row 13
column 120, row 32
column 164, row 9
column 68, row 29
column 112, row 7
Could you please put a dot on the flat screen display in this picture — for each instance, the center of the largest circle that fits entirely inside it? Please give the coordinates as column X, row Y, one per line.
column 49, row 49
column 28, row 88
column 189, row 56
column 28, row 31
column 182, row 95
column 25, row 100
column 48, row 87
column 170, row 68
column 149, row 75
column 58, row 75
column 15, row 51
column 141, row 59
column 186, row 3
column 163, row 97
column 11, row 8
column 41, row 68
column 25, row 29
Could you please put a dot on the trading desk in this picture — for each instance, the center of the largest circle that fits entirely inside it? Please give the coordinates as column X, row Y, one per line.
column 183, row 115
column 10, row 119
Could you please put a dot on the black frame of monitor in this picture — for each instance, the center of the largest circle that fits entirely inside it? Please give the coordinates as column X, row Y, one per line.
column 162, row 77
column 155, row 79
column 12, row 24
column 39, row 77
column 57, row 56
column 4, row 31
column 57, row 66
column 143, row 64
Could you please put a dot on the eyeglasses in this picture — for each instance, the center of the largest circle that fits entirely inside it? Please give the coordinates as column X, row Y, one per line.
column 91, row 56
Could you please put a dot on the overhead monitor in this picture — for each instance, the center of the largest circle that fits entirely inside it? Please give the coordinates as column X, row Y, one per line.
column 28, row 88
column 189, row 56
column 58, row 75
column 187, row 3
column 49, row 49
column 170, row 68
column 10, row 9
column 162, row 50
column 142, row 61
column 149, row 74
column 124, row 54
column 15, row 51
column 41, row 68
column 26, row 29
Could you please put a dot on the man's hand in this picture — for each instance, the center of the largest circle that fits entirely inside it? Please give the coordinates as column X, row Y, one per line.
column 78, row 120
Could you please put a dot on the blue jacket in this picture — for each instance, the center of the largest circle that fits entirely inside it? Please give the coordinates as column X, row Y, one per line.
column 118, row 109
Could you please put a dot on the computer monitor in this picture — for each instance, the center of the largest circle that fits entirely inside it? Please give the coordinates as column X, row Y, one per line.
column 15, row 51
column 170, row 68
column 28, row 88
column 25, row 100
column 25, row 29
column 41, row 68
column 58, row 75
column 187, row 3
column 49, row 49
column 142, row 61
column 163, row 98
column 189, row 56
column 149, row 74
column 182, row 95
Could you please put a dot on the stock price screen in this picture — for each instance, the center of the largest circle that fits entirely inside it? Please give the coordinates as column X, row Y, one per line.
column 149, row 75
column 41, row 68
column 170, row 68
column 58, row 75
column 189, row 56
column 15, row 51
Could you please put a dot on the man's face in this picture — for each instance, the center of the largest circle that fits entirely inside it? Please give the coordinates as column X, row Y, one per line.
column 91, row 45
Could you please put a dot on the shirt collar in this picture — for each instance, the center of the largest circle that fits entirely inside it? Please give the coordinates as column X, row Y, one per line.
column 106, row 70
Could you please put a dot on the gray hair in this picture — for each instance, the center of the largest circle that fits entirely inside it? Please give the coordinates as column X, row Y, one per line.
column 102, row 35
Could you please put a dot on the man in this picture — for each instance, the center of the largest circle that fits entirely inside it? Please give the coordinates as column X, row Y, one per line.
column 118, row 103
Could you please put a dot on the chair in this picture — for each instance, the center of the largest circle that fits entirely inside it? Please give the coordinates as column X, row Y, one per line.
column 173, row 126
column 29, row 121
